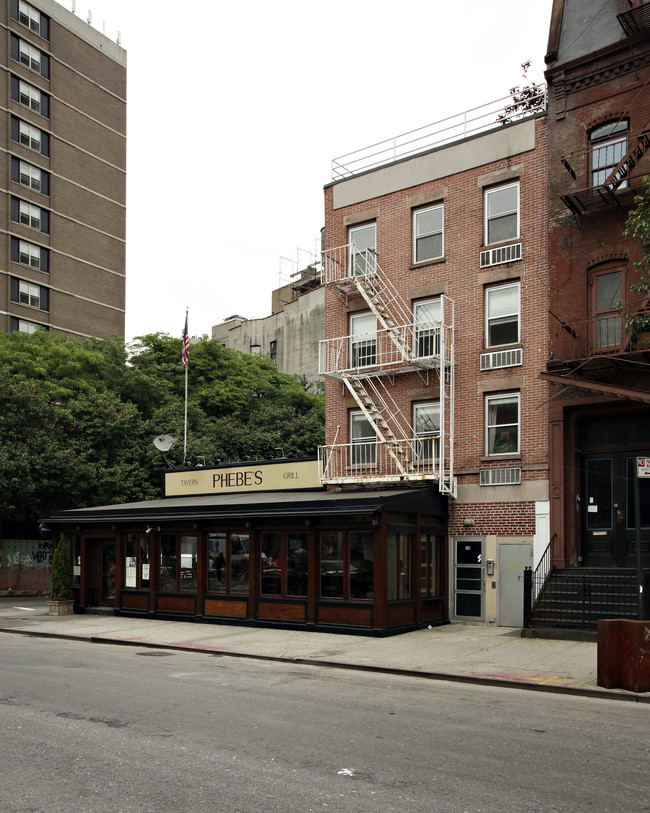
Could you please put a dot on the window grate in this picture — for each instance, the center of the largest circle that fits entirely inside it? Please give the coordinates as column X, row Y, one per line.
column 502, row 358
column 510, row 476
column 504, row 254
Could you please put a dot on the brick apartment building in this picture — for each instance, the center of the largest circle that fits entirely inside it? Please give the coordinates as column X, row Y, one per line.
column 599, row 131
column 63, row 180
column 436, row 269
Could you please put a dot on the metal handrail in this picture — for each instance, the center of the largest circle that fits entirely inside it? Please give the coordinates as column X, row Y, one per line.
column 453, row 128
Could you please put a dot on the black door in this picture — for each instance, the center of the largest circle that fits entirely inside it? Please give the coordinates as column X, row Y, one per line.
column 607, row 504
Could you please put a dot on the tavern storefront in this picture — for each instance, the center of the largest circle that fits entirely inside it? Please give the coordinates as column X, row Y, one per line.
column 264, row 544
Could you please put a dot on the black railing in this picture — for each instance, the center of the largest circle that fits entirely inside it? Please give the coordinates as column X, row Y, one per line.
column 534, row 581
column 578, row 599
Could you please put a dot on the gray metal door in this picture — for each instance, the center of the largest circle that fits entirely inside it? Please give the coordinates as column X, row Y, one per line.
column 513, row 558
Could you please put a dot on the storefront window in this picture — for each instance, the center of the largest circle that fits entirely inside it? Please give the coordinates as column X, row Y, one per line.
column 399, row 566
column 136, row 566
column 283, row 564
column 188, row 563
column 429, row 566
column 347, row 564
column 76, row 559
column 228, row 562
column 271, row 564
column 168, row 559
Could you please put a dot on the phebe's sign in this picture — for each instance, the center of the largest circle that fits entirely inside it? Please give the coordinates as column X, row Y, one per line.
column 284, row 476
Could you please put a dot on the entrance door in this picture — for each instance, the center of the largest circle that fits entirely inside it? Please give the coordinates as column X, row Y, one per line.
column 513, row 558
column 468, row 578
column 608, row 526
column 108, row 569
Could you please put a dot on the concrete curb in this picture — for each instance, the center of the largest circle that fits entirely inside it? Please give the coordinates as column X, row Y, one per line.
column 576, row 691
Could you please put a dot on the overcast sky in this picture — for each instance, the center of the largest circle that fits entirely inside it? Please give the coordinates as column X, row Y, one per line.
column 236, row 110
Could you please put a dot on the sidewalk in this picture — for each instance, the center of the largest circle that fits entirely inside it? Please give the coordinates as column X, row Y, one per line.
column 459, row 652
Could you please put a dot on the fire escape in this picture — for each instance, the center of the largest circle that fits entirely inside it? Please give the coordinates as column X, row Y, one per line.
column 366, row 364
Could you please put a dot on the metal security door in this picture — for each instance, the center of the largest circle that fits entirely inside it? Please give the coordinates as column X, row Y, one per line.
column 468, row 578
column 513, row 558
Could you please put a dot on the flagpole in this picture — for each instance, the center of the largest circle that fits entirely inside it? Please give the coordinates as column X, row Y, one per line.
column 186, row 364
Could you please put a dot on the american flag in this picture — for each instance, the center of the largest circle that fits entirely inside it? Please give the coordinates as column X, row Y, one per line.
column 186, row 344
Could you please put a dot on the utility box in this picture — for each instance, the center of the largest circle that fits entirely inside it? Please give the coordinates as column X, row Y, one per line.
column 624, row 654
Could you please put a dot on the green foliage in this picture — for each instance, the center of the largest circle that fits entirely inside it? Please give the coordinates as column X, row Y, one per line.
column 78, row 418
column 526, row 100
column 637, row 229
column 61, row 575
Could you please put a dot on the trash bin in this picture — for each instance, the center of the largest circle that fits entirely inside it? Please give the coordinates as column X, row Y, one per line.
column 624, row 654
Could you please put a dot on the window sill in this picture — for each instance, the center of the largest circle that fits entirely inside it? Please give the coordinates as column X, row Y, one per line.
column 497, row 458
column 427, row 263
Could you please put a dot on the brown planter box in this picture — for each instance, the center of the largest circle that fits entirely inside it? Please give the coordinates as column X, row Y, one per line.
column 61, row 607
column 624, row 654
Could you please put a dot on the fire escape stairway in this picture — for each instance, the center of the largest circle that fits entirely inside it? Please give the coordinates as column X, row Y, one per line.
column 379, row 412
column 349, row 271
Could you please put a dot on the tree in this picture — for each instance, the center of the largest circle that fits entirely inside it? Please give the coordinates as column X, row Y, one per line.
column 61, row 575
column 525, row 100
column 78, row 418
column 637, row 229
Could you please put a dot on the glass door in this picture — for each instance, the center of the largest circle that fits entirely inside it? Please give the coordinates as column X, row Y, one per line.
column 468, row 578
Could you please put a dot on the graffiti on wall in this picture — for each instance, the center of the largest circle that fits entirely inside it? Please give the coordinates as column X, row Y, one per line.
column 25, row 565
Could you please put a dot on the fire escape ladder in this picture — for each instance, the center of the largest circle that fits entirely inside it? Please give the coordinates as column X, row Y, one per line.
column 622, row 170
column 381, row 414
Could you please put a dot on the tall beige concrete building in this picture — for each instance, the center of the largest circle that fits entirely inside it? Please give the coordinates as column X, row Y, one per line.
column 62, row 173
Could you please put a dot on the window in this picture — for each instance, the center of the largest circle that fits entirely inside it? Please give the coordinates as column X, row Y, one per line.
column 256, row 349
column 427, row 317
column 30, row 215
column 399, row 566
column 228, row 569
column 347, row 565
column 502, row 424
column 26, row 293
column 178, row 560
column 283, row 564
column 29, row 96
column 29, row 254
column 23, row 326
column 502, row 315
column 363, row 339
column 31, row 57
column 428, row 233
column 363, row 240
column 501, row 208
column 608, row 146
column 606, row 294
column 31, row 17
column 363, row 439
column 429, row 571
column 426, row 422
column 30, row 136
column 29, row 175
column 273, row 351
column 137, row 562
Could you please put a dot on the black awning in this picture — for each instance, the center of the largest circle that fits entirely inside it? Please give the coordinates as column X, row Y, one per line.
column 265, row 505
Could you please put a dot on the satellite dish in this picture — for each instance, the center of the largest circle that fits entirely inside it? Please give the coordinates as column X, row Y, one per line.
column 164, row 443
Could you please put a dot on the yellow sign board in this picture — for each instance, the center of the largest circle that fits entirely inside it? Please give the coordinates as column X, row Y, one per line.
column 241, row 479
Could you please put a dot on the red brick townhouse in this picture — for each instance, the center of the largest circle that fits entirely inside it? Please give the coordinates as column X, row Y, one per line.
column 599, row 131
column 435, row 267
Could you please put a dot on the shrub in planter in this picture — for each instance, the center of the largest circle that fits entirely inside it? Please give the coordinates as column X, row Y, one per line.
column 61, row 576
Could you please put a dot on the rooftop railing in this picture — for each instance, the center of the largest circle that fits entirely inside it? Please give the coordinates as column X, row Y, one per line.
column 453, row 128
